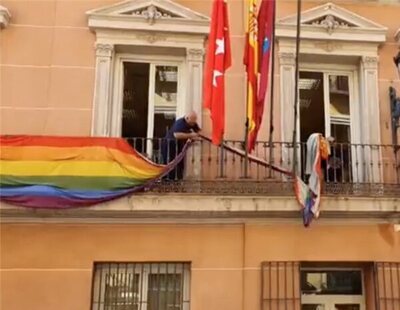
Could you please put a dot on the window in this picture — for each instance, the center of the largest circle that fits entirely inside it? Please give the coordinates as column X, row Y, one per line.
column 325, row 105
column 332, row 289
column 321, row 286
column 149, row 97
column 141, row 286
column 387, row 284
column 326, row 102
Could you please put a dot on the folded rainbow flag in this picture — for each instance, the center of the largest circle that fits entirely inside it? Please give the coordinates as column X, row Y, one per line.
column 62, row 172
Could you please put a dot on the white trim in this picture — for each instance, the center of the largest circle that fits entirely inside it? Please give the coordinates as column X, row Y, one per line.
column 356, row 44
column 355, row 121
column 335, row 10
column 131, row 14
column 124, row 25
column 5, row 17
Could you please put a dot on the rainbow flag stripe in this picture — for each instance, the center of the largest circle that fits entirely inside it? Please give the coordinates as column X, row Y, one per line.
column 62, row 172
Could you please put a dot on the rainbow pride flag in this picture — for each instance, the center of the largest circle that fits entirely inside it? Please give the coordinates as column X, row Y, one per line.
column 62, row 172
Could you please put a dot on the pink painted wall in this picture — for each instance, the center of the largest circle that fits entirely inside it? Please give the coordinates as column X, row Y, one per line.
column 49, row 266
column 47, row 65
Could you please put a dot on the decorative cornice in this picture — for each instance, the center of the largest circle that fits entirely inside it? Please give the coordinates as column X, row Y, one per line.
column 152, row 13
column 195, row 54
column 150, row 37
column 104, row 50
column 331, row 22
column 161, row 15
column 370, row 62
column 4, row 17
column 287, row 58
column 328, row 46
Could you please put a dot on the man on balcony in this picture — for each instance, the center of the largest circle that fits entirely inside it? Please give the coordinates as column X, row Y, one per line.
column 181, row 131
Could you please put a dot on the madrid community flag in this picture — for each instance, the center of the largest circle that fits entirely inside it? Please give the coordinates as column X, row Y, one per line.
column 218, row 60
column 266, row 19
column 257, row 61
column 251, row 62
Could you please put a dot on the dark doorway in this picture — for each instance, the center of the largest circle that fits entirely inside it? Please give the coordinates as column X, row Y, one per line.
column 312, row 110
column 136, row 103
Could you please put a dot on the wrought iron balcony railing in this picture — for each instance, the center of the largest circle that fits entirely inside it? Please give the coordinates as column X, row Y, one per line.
column 352, row 169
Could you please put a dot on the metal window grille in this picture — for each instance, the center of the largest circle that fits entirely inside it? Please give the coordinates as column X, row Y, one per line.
column 141, row 286
column 387, row 286
column 280, row 282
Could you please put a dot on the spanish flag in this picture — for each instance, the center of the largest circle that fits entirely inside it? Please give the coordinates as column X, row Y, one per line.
column 251, row 62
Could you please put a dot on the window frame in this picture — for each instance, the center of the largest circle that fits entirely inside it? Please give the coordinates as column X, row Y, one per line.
column 329, row 301
column 144, row 270
column 352, row 72
column 118, row 87
column 339, row 70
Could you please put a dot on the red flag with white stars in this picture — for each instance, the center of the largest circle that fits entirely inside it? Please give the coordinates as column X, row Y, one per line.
column 218, row 60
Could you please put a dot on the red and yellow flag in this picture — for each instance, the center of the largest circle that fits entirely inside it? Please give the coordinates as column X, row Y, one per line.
column 251, row 62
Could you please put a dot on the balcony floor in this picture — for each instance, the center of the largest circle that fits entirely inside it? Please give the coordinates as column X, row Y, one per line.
column 272, row 188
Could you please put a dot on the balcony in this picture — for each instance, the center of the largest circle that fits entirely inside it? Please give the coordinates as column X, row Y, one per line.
column 220, row 185
column 356, row 170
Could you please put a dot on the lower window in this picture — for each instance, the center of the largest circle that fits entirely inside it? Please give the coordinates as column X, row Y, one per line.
column 332, row 289
column 141, row 286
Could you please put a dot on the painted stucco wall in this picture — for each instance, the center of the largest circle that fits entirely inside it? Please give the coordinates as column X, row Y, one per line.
column 49, row 266
column 47, row 62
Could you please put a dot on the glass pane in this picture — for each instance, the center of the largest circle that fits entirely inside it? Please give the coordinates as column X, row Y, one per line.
column 312, row 110
column 163, row 122
column 347, row 307
column 312, row 307
column 331, row 282
column 339, row 97
column 164, row 292
column 341, row 133
column 166, row 88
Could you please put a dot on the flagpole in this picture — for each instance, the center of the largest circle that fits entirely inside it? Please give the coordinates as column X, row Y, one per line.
column 271, row 104
column 246, row 141
column 296, row 91
column 246, row 125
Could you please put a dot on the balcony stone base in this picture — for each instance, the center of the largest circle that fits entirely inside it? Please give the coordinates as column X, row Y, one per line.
column 150, row 207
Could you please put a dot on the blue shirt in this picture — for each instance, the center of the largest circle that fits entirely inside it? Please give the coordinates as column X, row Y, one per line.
column 181, row 125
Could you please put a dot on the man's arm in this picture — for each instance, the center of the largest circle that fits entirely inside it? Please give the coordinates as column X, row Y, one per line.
column 197, row 128
column 185, row 136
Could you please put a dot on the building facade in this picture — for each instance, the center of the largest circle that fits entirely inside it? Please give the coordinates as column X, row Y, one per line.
column 230, row 234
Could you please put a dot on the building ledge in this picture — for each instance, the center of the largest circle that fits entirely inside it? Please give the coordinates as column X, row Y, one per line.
column 169, row 207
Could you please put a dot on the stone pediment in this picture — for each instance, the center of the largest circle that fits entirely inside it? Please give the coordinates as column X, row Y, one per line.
column 160, row 15
column 332, row 20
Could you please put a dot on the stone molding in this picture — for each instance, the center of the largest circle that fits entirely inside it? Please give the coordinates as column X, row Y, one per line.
column 332, row 22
